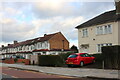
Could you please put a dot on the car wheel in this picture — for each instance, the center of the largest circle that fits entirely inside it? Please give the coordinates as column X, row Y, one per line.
column 81, row 63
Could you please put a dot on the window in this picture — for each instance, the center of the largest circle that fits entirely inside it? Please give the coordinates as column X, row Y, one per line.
column 82, row 55
column 85, row 32
column 99, row 46
column 44, row 53
column 100, row 30
column 40, row 44
column 87, row 55
column 73, row 56
column 107, row 29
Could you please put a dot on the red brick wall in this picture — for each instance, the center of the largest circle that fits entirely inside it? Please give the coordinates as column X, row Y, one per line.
column 26, row 61
column 20, row 60
column 56, row 42
column 9, row 61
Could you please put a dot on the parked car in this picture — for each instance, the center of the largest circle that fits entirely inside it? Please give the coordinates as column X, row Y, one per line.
column 79, row 59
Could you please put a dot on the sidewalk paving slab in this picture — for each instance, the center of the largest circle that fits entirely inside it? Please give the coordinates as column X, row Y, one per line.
column 74, row 72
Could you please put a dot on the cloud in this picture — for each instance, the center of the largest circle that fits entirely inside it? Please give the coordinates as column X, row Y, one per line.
column 12, row 30
column 56, row 24
column 25, row 20
column 52, row 9
column 70, row 9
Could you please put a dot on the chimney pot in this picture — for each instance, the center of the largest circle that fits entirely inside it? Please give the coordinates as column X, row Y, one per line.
column 45, row 35
column 2, row 46
column 15, row 42
column 117, row 4
column 8, row 44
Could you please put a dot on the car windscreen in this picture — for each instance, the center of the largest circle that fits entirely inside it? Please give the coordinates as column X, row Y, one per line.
column 73, row 56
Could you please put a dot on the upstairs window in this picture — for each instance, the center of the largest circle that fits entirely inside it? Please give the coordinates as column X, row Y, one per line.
column 107, row 29
column 100, row 30
column 85, row 33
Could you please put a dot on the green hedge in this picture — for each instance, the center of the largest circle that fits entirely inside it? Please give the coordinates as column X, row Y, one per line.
column 50, row 60
column 98, row 57
column 53, row 60
column 64, row 56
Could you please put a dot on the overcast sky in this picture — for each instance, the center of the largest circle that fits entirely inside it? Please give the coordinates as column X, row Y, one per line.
column 26, row 20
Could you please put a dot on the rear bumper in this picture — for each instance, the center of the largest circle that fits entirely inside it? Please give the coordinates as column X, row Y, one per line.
column 72, row 63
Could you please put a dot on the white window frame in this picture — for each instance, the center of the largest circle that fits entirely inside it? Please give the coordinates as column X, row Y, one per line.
column 99, row 46
column 109, row 28
column 85, row 32
column 106, row 29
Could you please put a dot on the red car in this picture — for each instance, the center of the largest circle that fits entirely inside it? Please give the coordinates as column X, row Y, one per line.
column 79, row 59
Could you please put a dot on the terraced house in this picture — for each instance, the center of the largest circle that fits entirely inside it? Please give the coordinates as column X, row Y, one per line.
column 48, row 44
column 102, row 30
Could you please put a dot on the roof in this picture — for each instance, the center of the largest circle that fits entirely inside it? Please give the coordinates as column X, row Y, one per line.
column 31, row 41
column 106, row 17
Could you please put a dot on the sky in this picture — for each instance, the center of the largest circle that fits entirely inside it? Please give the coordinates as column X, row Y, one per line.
column 22, row 20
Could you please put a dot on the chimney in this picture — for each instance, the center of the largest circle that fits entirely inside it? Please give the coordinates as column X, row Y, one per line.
column 45, row 35
column 8, row 44
column 15, row 42
column 2, row 46
column 117, row 4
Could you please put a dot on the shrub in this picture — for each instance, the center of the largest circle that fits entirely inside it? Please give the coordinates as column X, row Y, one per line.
column 15, row 59
column 98, row 57
column 50, row 60
column 64, row 56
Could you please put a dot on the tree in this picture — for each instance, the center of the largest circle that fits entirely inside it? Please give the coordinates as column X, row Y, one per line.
column 74, row 48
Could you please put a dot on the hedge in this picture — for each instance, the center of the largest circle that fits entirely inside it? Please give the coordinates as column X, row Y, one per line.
column 53, row 60
column 50, row 60
column 98, row 56
column 64, row 56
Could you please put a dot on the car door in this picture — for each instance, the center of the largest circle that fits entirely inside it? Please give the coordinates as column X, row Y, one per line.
column 84, row 58
column 88, row 57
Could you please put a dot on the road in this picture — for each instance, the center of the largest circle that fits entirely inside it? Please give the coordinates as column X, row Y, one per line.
column 17, row 74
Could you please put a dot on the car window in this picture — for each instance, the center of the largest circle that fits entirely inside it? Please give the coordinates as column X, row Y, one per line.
column 87, row 55
column 82, row 55
column 73, row 56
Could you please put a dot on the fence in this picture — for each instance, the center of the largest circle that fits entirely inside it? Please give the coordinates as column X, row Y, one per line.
column 111, row 56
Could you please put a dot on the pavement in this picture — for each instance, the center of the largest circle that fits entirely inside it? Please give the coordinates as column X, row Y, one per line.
column 73, row 72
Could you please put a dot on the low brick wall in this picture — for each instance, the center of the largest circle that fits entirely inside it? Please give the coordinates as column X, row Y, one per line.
column 25, row 61
column 12, row 61
column 9, row 61
column 20, row 61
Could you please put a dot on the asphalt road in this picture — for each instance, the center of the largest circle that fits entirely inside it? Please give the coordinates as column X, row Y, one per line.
column 17, row 74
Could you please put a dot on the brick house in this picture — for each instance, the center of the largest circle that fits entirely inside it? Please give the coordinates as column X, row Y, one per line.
column 48, row 44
